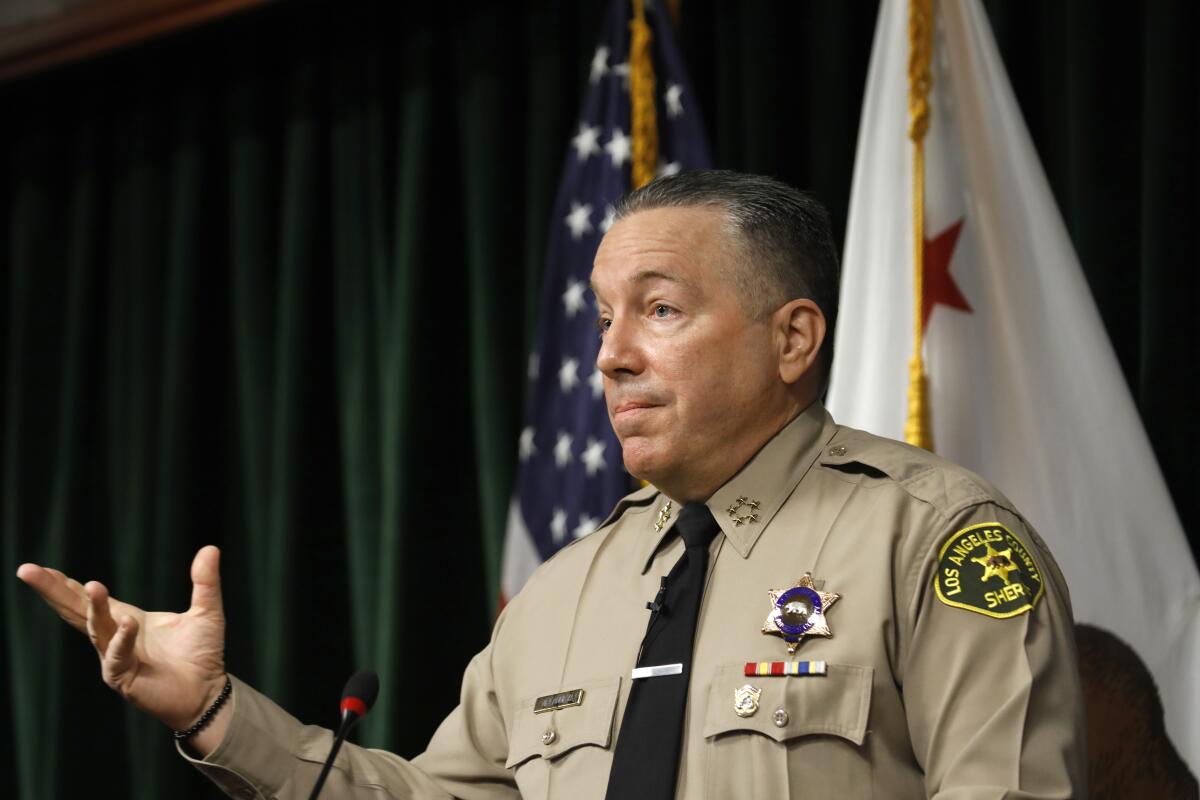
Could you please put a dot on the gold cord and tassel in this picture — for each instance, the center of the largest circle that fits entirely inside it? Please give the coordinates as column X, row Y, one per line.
column 643, row 117
column 917, row 429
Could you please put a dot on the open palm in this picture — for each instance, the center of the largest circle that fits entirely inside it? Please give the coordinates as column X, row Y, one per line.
column 170, row 665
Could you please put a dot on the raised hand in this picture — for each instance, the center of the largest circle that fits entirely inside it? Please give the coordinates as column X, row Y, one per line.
column 171, row 666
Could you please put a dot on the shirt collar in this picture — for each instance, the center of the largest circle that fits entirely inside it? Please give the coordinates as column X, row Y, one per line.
column 745, row 505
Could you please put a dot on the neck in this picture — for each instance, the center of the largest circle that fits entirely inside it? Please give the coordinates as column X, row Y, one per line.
column 698, row 486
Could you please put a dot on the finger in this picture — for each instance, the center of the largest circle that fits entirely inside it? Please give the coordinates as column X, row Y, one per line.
column 53, row 588
column 72, row 584
column 100, row 624
column 120, row 659
column 206, row 581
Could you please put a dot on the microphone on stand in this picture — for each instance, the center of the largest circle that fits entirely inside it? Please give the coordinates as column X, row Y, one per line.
column 357, row 699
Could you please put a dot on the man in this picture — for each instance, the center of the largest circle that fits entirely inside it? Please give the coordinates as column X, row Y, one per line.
column 844, row 616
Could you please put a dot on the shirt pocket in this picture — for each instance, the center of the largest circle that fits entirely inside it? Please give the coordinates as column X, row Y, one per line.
column 569, row 746
column 804, row 740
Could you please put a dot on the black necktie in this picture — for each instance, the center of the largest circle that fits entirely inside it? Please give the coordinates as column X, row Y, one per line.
column 646, row 760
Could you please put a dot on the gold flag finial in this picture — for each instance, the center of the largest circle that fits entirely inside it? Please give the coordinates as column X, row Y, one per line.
column 917, row 429
column 643, row 118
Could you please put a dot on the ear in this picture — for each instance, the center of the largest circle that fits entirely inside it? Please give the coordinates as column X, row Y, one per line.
column 799, row 328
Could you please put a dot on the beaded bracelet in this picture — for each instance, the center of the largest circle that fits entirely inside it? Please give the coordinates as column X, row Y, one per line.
column 207, row 715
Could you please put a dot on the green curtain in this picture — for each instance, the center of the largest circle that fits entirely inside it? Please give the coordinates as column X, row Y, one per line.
column 151, row 239
column 269, row 284
column 36, row 495
column 379, row 233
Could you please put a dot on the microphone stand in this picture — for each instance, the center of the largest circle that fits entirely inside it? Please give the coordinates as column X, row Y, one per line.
column 348, row 720
column 357, row 699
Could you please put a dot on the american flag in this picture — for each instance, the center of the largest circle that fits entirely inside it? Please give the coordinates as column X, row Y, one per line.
column 571, row 472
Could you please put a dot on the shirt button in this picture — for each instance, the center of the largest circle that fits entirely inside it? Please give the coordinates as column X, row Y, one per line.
column 548, row 737
column 837, row 451
column 781, row 718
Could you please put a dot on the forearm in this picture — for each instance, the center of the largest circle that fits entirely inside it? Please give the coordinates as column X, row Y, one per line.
column 264, row 748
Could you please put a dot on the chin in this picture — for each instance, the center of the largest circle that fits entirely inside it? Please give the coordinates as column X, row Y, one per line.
column 643, row 460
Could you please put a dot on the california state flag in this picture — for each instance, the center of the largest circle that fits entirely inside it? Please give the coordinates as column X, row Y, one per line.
column 1024, row 387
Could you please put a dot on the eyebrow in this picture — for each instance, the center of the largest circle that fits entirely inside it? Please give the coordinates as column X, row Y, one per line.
column 647, row 275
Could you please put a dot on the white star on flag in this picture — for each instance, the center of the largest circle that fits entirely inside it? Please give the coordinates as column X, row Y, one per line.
column 558, row 525
column 568, row 374
column 596, row 381
column 587, row 141
column 586, row 525
column 668, row 168
column 578, row 220
column 573, row 298
column 526, row 446
column 562, row 449
column 610, row 216
column 673, row 97
column 618, row 148
column 599, row 64
column 593, row 456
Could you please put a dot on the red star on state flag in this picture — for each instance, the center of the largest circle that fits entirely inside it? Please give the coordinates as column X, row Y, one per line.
column 939, row 285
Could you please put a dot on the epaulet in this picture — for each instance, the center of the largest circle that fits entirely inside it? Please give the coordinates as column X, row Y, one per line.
column 925, row 476
column 642, row 497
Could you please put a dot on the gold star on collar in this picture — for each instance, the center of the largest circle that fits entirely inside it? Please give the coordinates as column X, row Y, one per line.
column 664, row 515
column 739, row 505
column 799, row 611
column 996, row 562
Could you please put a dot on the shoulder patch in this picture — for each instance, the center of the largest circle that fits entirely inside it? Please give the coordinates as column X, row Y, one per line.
column 986, row 569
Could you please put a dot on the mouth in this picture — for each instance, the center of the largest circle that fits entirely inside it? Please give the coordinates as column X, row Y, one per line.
column 631, row 409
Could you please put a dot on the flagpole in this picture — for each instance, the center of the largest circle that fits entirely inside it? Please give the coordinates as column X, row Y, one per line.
column 643, row 119
column 917, row 429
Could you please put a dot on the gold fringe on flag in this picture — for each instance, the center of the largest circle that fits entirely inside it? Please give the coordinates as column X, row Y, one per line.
column 917, row 429
column 643, row 121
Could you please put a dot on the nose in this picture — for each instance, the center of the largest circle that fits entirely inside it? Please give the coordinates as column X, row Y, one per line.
column 620, row 351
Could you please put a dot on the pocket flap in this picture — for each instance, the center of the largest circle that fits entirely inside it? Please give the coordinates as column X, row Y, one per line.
column 835, row 703
column 550, row 734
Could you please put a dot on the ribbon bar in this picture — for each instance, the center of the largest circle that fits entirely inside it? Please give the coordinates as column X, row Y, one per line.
column 770, row 668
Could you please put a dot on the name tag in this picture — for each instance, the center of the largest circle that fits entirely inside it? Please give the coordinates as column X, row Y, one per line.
column 659, row 671
column 553, row 702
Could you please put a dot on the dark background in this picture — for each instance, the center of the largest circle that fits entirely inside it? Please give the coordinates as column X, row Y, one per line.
column 269, row 284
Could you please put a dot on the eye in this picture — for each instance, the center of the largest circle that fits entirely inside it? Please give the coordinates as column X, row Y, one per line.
column 603, row 324
column 662, row 312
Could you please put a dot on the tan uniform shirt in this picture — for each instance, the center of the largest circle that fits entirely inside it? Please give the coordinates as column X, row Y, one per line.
column 921, row 697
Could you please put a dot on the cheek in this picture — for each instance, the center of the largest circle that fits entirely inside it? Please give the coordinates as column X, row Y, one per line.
column 725, row 382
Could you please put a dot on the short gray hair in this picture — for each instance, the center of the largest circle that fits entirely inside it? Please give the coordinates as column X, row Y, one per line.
column 784, row 232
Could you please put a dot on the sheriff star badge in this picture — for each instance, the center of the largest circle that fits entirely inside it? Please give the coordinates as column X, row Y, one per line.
column 798, row 612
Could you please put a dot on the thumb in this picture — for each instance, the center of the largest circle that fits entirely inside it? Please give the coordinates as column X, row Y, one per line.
column 206, row 581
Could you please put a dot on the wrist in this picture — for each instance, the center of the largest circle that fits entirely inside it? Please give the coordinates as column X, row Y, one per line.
column 216, row 694
column 212, row 734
